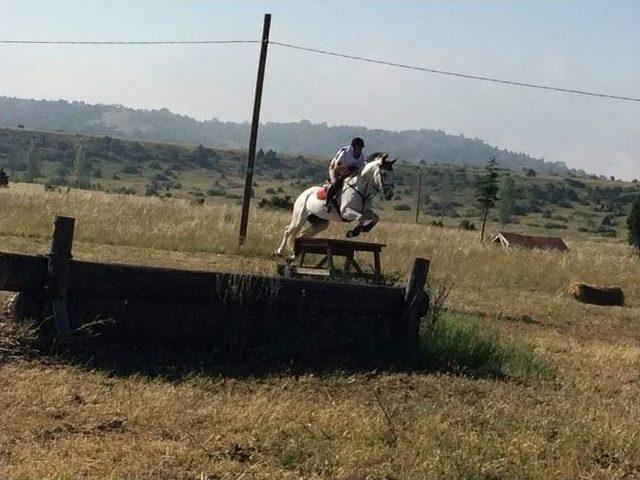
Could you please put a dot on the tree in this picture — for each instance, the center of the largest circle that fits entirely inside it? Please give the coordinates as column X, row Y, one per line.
column 487, row 190
column 82, row 167
column 633, row 222
column 33, row 164
column 446, row 191
column 506, row 205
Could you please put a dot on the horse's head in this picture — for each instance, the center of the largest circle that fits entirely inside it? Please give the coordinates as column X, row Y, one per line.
column 383, row 176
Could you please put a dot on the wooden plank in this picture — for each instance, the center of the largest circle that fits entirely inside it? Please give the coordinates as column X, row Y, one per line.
column 184, row 286
column 27, row 273
column 321, row 272
column 22, row 273
column 340, row 247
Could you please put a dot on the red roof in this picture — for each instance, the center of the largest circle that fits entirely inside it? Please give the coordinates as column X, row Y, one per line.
column 526, row 241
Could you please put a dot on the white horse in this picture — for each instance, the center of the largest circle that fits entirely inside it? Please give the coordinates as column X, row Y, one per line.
column 355, row 203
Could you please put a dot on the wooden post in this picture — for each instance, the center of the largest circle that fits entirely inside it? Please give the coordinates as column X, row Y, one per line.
column 329, row 258
column 418, row 194
column 377, row 268
column 416, row 303
column 58, row 271
column 251, row 157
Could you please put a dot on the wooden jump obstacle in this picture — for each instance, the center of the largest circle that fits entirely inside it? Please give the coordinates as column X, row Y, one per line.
column 60, row 283
column 330, row 248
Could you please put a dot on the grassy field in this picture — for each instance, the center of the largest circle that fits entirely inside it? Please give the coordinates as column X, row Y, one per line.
column 585, row 207
column 564, row 404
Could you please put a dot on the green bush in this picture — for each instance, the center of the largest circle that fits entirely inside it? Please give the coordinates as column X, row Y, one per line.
column 131, row 169
column 401, row 207
column 467, row 225
column 216, row 192
column 558, row 226
column 468, row 345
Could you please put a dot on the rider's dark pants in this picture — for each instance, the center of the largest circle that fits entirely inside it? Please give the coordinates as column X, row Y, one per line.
column 333, row 190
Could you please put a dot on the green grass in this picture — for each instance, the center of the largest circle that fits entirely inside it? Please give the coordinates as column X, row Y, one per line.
column 470, row 345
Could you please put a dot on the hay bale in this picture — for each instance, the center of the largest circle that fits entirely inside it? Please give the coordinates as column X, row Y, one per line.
column 597, row 294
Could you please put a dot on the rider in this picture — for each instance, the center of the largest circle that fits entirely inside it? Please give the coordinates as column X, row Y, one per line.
column 347, row 160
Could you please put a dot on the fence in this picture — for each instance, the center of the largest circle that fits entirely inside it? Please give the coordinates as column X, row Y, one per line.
column 243, row 312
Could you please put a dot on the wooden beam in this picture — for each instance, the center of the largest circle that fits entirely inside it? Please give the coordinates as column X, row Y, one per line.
column 255, row 123
column 416, row 304
column 22, row 273
column 58, row 271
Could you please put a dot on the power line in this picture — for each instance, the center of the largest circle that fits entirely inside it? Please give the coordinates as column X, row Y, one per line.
column 333, row 54
column 455, row 74
column 178, row 42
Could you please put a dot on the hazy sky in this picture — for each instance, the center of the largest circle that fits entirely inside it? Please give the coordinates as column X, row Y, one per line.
column 574, row 44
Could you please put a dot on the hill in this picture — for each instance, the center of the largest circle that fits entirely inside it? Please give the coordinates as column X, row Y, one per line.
column 302, row 138
column 543, row 204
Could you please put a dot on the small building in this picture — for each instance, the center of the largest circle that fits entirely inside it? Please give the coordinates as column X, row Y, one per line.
column 525, row 241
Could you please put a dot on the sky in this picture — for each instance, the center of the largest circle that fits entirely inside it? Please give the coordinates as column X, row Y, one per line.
column 584, row 45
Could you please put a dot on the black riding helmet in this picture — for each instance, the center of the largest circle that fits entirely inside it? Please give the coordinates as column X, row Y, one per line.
column 357, row 142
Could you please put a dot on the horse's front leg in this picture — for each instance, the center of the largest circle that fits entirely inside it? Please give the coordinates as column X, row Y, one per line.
column 351, row 215
column 368, row 220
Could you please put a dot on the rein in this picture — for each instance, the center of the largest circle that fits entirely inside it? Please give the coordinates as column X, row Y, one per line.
column 363, row 197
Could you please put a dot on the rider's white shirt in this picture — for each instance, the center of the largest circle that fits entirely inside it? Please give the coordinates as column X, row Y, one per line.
column 344, row 158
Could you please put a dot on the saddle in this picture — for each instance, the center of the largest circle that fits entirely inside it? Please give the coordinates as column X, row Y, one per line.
column 335, row 202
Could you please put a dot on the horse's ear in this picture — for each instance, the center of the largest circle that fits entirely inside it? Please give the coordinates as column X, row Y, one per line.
column 374, row 156
column 393, row 161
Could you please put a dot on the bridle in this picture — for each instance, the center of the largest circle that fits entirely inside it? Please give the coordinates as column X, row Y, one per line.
column 364, row 196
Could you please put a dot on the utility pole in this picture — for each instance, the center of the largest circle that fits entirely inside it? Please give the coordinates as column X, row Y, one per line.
column 251, row 158
column 418, row 194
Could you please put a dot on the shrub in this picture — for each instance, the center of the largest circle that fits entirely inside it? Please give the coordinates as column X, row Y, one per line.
column 284, row 203
column 131, row 169
column 467, row 345
column 606, row 231
column 125, row 191
column 270, row 191
column 151, row 189
column 233, row 196
column 155, row 165
column 558, row 226
column 401, row 207
column 467, row 225
column 216, row 192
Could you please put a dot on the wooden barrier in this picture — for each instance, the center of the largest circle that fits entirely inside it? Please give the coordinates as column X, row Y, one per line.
column 28, row 273
column 321, row 306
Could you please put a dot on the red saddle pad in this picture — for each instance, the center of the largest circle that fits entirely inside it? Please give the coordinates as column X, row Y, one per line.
column 322, row 194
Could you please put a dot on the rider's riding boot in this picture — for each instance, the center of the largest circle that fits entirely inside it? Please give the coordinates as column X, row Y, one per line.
column 331, row 194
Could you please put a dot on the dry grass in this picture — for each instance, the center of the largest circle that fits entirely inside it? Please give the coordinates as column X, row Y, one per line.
column 67, row 422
